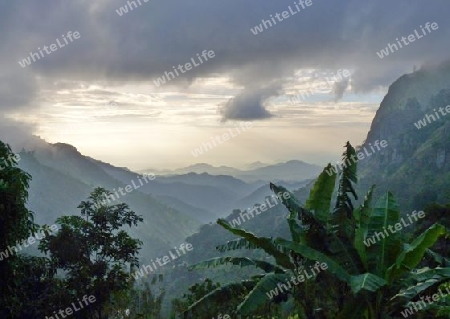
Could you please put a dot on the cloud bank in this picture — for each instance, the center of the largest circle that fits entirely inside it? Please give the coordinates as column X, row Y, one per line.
column 151, row 39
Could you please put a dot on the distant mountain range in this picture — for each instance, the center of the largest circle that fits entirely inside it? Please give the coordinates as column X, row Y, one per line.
column 213, row 195
column 256, row 171
column 181, row 205
column 415, row 167
column 173, row 206
column 62, row 178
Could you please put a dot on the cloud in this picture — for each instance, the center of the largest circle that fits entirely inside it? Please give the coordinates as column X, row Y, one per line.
column 149, row 40
column 17, row 90
column 157, row 35
column 339, row 88
column 19, row 135
column 249, row 104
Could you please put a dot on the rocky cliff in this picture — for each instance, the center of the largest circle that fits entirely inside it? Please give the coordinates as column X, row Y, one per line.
column 415, row 164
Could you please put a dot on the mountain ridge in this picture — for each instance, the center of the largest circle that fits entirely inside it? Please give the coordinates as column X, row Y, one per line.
column 416, row 163
column 263, row 173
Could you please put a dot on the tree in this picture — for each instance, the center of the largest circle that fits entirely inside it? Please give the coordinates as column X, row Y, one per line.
column 147, row 302
column 94, row 250
column 16, row 225
column 41, row 292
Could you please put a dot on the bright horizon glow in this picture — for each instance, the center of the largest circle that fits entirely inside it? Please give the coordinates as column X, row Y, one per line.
column 151, row 129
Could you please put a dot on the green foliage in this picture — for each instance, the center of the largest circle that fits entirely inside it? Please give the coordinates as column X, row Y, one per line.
column 251, row 293
column 40, row 292
column 320, row 197
column 145, row 301
column 263, row 243
column 385, row 213
column 237, row 261
column 288, row 261
column 94, row 250
column 413, row 253
column 236, row 244
column 436, row 213
column 343, row 210
column 367, row 281
column 370, row 282
column 362, row 216
column 257, row 296
column 16, row 225
column 198, row 292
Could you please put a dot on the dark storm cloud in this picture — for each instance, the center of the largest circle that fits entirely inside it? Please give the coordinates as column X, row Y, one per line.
column 249, row 104
column 339, row 89
column 146, row 42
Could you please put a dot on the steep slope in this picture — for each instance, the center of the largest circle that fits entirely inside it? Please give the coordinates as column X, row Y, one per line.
column 201, row 215
column 216, row 194
column 270, row 223
column 58, row 189
column 415, row 164
column 262, row 192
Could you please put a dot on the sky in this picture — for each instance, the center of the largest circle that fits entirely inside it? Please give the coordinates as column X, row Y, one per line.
column 98, row 88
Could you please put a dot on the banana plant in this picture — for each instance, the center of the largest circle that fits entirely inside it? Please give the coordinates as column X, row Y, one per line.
column 369, row 276
column 273, row 273
column 366, row 278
